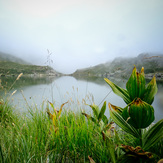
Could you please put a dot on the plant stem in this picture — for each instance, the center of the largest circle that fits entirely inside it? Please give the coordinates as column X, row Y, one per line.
column 140, row 137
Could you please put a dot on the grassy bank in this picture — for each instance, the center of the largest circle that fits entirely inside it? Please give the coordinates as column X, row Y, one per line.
column 13, row 68
column 33, row 137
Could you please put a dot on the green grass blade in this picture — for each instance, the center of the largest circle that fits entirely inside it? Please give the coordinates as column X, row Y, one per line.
column 119, row 91
column 51, row 104
column 101, row 114
column 153, row 135
column 105, row 120
column 60, row 110
column 110, row 146
column 95, row 110
column 1, row 153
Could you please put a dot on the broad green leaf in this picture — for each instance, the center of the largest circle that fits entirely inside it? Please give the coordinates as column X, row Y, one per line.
column 150, row 91
column 105, row 120
column 95, row 110
column 117, row 109
column 118, row 119
column 153, row 135
column 139, row 114
column 102, row 111
column 119, row 91
column 136, row 84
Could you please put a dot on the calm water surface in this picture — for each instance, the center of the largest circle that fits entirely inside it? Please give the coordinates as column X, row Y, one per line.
column 35, row 91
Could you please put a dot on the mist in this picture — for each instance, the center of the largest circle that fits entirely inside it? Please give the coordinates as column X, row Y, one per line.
column 81, row 33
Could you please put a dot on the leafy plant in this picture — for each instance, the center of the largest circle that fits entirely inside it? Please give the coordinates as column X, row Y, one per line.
column 55, row 116
column 105, row 126
column 136, row 88
column 137, row 116
column 137, row 113
column 99, row 118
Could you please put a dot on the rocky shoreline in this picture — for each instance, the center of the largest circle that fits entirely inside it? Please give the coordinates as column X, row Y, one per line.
column 117, row 74
column 120, row 74
column 32, row 75
column 159, row 76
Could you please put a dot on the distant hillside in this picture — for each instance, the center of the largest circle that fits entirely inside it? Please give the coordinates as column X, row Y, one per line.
column 122, row 67
column 10, row 65
column 11, row 58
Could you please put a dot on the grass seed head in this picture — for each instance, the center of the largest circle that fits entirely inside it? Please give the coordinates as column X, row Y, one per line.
column 13, row 92
column 19, row 76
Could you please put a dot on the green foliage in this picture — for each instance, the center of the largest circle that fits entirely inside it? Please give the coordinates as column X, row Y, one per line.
column 119, row 91
column 12, row 68
column 55, row 116
column 136, row 84
column 136, row 88
column 137, row 116
column 31, row 138
column 138, row 113
column 99, row 118
column 153, row 135
column 151, row 90
column 60, row 136
column 120, row 121
column 6, row 113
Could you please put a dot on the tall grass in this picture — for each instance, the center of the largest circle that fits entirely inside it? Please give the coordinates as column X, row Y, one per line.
column 31, row 138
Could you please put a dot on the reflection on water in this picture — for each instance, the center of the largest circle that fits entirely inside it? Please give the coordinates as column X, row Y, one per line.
column 75, row 90
column 25, row 81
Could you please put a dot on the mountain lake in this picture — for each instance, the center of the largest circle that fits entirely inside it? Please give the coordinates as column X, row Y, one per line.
column 35, row 91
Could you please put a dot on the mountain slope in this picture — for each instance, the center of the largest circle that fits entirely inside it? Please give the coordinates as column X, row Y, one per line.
column 10, row 58
column 121, row 67
column 10, row 65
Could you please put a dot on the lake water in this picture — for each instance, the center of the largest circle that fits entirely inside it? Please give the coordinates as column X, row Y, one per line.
column 35, row 91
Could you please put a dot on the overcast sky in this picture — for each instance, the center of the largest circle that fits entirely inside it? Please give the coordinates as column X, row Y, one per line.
column 80, row 33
